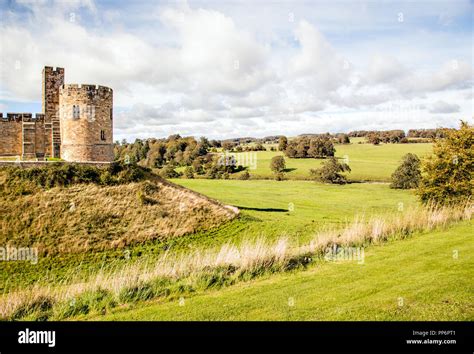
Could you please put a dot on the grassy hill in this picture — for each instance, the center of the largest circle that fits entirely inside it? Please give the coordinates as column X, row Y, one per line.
column 90, row 217
column 82, row 228
column 416, row 279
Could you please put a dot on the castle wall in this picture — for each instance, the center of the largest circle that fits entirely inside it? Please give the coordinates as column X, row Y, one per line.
column 10, row 135
column 86, row 123
column 22, row 135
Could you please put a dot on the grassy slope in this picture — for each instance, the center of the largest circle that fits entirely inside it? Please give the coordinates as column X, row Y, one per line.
column 91, row 218
column 83, row 228
column 368, row 162
column 419, row 271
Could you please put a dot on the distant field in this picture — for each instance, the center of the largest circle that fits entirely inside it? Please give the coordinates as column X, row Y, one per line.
column 368, row 162
column 414, row 279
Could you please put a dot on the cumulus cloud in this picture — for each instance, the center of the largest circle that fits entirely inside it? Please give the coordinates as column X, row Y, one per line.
column 455, row 74
column 209, row 70
column 444, row 107
column 384, row 68
column 317, row 60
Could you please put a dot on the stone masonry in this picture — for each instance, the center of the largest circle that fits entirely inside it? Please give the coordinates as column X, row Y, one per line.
column 76, row 123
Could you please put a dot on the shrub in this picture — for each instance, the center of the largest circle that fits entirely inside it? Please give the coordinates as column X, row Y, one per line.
column 140, row 292
column 277, row 164
column 330, row 172
column 169, row 172
column 92, row 300
column 37, row 309
column 407, row 175
column 244, row 176
column 189, row 172
column 27, row 180
column 448, row 175
column 279, row 176
column 343, row 139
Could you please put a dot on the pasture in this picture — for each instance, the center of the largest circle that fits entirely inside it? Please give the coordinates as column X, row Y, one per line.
column 368, row 162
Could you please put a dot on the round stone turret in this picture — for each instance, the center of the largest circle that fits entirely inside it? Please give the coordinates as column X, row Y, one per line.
column 86, row 120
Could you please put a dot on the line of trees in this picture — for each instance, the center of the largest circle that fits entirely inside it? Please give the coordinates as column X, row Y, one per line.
column 176, row 151
column 428, row 133
column 304, row 147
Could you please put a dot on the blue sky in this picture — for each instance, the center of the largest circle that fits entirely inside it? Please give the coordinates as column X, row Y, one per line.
column 247, row 68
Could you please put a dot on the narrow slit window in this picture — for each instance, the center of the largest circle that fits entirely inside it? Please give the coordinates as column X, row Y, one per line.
column 102, row 135
column 76, row 112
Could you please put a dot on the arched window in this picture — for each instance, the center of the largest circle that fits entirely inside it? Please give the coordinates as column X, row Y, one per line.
column 102, row 135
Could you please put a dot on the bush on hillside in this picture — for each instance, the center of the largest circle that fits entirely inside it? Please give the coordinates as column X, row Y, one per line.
column 408, row 174
column 331, row 172
column 448, row 175
column 24, row 180
column 245, row 176
column 277, row 164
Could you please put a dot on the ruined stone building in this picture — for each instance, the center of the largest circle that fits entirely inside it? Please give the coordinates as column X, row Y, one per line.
column 76, row 123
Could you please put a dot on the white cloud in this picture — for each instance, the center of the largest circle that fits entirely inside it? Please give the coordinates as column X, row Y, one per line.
column 384, row 68
column 216, row 70
column 317, row 60
column 453, row 74
column 444, row 107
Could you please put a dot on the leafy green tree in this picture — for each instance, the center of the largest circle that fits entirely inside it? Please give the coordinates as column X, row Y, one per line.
column 343, row 139
column 408, row 174
column 290, row 151
column 331, row 172
column 277, row 164
column 373, row 138
column 448, row 175
column 227, row 145
column 282, row 143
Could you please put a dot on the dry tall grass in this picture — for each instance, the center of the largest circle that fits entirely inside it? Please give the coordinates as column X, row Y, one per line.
column 247, row 257
column 87, row 217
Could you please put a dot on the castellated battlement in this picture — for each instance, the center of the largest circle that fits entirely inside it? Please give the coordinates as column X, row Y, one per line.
column 91, row 90
column 22, row 117
column 52, row 70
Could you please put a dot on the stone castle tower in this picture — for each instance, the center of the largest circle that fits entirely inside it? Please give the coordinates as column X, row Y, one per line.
column 76, row 123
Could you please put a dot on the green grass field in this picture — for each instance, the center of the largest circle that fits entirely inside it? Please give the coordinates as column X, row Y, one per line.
column 415, row 279
column 298, row 208
column 368, row 162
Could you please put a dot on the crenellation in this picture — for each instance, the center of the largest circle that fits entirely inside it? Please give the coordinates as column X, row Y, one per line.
column 76, row 123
